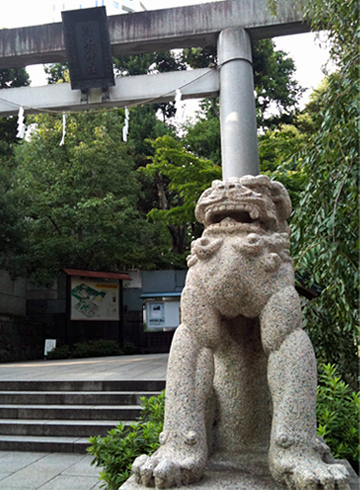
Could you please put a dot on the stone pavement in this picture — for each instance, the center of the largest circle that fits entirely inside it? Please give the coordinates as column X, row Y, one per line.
column 147, row 367
column 64, row 471
column 47, row 471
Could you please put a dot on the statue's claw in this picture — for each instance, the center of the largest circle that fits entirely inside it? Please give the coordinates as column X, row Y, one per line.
column 167, row 474
column 309, row 473
column 143, row 470
column 167, row 469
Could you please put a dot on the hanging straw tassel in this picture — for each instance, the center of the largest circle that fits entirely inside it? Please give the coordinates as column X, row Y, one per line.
column 179, row 116
column 125, row 130
column 21, row 126
column 62, row 142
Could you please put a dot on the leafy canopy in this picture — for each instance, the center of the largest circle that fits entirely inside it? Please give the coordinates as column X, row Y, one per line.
column 79, row 201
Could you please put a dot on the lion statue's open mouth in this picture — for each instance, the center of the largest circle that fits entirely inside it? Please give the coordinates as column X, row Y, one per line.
column 247, row 204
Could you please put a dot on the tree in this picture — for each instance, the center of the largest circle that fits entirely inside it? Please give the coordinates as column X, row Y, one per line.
column 180, row 178
column 11, row 225
column 325, row 224
column 277, row 149
column 180, row 171
column 275, row 85
column 57, row 72
column 13, row 77
column 203, row 137
column 79, row 200
column 144, row 125
column 10, row 78
column 275, row 89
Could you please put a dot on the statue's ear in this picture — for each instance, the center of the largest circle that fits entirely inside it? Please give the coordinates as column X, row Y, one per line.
column 281, row 199
column 199, row 210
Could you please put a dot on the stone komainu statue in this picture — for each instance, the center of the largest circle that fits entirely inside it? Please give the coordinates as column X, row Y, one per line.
column 242, row 372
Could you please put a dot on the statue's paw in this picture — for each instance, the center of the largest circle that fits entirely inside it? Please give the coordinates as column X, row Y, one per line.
column 163, row 471
column 299, row 473
column 167, row 474
column 143, row 470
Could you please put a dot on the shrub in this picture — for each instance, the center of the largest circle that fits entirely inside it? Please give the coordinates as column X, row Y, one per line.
column 97, row 348
column 116, row 452
column 62, row 352
column 338, row 415
column 92, row 348
column 128, row 348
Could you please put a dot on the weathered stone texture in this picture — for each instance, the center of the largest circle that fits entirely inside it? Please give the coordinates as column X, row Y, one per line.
column 242, row 373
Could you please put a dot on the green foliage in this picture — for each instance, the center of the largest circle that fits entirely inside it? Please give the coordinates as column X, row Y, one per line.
column 277, row 150
column 13, row 77
column 338, row 415
column 11, row 225
column 188, row 176
column 63, row 352
column 203, row 137
column 91, row 348
column 116, row 452
column 128, row 348
column 10, row 78
column 326, row 246
column 141, row 64
column 57, row 72
column 275, row 85
column 180, row 178
column 96, row 348
column 79, row 200
column 325, row 241
column 200, row 57
column 144, row 126
column 146, row 63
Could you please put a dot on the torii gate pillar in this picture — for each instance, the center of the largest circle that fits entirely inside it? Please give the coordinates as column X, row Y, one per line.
column 239, row 147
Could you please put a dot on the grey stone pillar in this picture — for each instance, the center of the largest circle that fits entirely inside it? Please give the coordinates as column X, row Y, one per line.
column 239, row 147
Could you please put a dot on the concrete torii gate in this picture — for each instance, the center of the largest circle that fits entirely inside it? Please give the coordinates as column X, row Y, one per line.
column 231, row 24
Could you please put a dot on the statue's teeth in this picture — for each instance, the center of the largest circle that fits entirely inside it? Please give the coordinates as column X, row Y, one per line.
column 228, row 220
column 254, row 213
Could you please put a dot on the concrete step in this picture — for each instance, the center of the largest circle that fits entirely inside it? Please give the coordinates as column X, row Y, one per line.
column 44, row 444
column 60, row 416
column 74, row 398
column 56, row 428
column 110, row 385
column 70, row 412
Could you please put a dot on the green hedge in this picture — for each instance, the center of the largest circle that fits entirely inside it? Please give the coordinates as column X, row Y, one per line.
column 92, row 348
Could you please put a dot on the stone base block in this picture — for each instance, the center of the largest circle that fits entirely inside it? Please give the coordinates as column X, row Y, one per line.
column 242, row 472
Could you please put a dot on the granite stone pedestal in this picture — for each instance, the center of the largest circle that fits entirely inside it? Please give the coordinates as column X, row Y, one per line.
column 241, row 472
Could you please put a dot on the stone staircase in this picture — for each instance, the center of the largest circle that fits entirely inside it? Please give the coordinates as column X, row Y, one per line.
column 60, row 416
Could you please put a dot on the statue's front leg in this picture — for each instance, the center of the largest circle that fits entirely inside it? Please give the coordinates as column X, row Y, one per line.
column 183, row 453
column 295, row 453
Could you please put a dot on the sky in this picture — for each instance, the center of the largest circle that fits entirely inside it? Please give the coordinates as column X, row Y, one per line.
column 309, row 57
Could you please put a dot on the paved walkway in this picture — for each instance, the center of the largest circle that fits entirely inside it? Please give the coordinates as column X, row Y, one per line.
column 47, row 471
column 151, row 366
column 63, row 471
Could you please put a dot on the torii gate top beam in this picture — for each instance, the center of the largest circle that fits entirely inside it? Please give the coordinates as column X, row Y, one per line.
column 158, row 30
